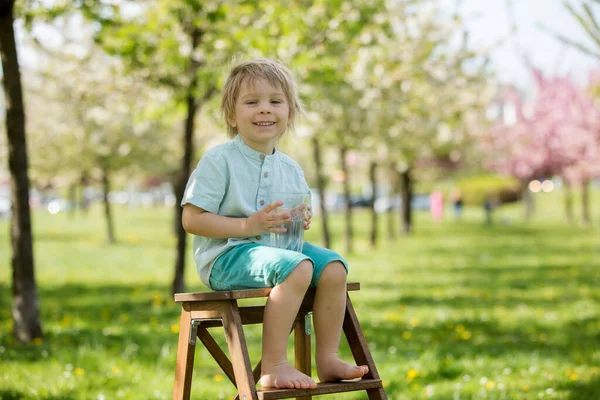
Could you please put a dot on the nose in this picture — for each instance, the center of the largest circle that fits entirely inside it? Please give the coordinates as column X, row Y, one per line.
column 265, row 108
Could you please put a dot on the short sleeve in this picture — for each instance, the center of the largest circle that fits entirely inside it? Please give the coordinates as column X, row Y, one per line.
column 207, row 184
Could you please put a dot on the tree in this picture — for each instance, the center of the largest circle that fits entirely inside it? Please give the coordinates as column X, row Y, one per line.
column 561, row 136
column 25, row 310
column 423, row 89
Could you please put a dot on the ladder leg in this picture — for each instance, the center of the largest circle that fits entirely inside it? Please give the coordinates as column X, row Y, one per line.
column 185, row 358
column 244, row 379
column 360, row 349
column 302, row 348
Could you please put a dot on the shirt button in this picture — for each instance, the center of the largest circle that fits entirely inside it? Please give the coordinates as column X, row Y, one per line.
column 262, row 156
column 262, row 202
column 266, row 174
column 257, row 238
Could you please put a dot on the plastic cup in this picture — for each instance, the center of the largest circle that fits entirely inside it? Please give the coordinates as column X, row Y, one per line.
column 297, row 205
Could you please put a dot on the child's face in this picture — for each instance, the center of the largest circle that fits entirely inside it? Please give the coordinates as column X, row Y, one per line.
column 261, row 114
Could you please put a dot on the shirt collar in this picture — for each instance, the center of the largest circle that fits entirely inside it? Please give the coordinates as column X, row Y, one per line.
column 250, row 152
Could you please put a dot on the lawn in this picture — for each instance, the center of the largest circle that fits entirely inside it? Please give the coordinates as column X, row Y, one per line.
column 459, row 310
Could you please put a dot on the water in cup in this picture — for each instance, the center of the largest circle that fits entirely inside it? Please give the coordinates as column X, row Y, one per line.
column 297, row 206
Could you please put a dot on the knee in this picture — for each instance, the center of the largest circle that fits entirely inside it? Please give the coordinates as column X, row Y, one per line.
column 302, row 274
column 333, row 274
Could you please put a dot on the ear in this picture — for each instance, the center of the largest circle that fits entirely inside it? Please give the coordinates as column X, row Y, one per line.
column 232, row 121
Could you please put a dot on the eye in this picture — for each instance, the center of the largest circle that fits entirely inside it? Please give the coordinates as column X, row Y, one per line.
column 276, row 101
column 251, row 102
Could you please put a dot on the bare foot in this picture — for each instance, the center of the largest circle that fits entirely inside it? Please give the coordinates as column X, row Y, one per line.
column 334, row 369
column 284, row 376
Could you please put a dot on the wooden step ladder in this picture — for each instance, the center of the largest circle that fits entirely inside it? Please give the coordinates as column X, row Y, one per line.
column 200, row 311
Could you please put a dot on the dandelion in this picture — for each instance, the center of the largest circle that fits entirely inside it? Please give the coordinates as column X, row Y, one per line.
column 133, row 238
column 526, row 388
column 412, row 374
column 79, row 371
column 116, row 370
column 38, row 340
column 392, row 316
column 466, row 335
column 460, row 328
column 414, row 323
column 406, row 335
column 490, row 385
column 218, row 378
column 175, row 328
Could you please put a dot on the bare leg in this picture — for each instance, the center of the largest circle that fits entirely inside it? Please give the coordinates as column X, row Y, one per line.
column 329, row 309
column 281, row 310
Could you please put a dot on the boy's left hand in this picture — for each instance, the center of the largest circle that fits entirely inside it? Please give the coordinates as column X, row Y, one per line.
column 307, row 218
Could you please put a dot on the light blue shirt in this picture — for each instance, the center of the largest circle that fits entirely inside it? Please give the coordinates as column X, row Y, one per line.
column 234, row 180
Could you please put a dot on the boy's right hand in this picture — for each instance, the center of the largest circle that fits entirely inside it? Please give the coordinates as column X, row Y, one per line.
column 265, row 221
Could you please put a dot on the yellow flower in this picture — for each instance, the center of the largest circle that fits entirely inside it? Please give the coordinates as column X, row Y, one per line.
column 132, row 238
column 38, row 340
column 79, row 371
column 175, row 328
column 466, row 335
column 218, row 378
column 573, row 377
column 412, row 374
column 389, row 316
column 414, row 323
column 116, row 370
column 460, row 328
column 406, row 335
column 490, row 385
column 415, row 387
column 526, row 388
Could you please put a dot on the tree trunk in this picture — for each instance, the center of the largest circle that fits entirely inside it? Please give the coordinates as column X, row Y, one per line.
column 25, row 308
column 110, row 228
column 406, row 190
column 72, row 199
column 569, row 202
column 321, row 186
column 585, row 202
column 529, row 201
column 178, row 284
column 348, row 206
column 391, row 217
column 84, row 202
column 374, row 219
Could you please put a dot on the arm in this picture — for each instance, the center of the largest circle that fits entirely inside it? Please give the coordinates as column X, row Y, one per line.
column 199, row 222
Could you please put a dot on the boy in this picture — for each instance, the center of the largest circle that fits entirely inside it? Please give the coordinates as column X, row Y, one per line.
column 229, row 207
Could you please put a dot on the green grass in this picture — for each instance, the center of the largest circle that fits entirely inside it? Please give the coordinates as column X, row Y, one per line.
column 459, row 310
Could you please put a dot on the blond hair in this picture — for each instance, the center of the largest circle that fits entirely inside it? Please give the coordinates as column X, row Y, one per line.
column 274, row 72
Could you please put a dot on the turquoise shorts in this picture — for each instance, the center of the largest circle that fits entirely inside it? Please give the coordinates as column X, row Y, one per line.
column 254, row 266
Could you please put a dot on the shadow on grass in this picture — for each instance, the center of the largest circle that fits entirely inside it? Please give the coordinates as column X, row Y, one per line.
column 17, row 395
column 112, row 318
column 583, row 390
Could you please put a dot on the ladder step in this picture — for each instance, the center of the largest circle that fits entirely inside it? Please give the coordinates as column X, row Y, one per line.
column 322, row 388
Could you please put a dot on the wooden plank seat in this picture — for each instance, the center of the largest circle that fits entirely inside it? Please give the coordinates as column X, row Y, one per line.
column 200, row 311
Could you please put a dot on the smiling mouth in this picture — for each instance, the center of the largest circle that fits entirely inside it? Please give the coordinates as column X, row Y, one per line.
column 264, row 123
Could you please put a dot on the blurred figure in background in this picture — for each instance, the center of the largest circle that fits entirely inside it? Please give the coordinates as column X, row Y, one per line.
column 457, row 202
column 436, row 201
